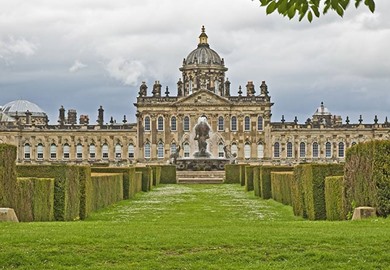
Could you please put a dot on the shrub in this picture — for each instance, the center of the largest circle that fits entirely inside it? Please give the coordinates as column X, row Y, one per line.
column 334, row 198
column 85, row 191
column 297, row 193
column 249, row 178
column 107, row 188
column 7, row 175
column 264, row 187
column 367, row 176
column 147, row 177
column 313, row 183
column 281, row 183
column 168, row 174
column 67, row 193
column 156, row 174
column 35, row 199
column 232, row 174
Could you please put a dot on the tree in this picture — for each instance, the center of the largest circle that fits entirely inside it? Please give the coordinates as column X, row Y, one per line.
column 308, row 8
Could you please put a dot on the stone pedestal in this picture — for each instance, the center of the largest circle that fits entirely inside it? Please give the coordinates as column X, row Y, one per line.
column 363, row 212
column 8, row 214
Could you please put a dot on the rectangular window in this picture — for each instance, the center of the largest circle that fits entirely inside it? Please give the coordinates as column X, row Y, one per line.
column 247, row 123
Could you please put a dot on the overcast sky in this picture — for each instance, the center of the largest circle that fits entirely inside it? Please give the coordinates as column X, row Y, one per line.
column 83, row 54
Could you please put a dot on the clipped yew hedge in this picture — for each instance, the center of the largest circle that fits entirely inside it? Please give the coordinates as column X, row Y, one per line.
column 156, row 174
column 107, row 188
column 313, row 183
column 84, row 175
column 147, row 177
column 334, row 198
column 168, row 174
column 249, row 178
column 129, row 185
column 35, row 199
column 232, row 174
column 7, row 175
column 297, row 193
column 67, row 187
column 367, row 176
column 264, row 185
column 281, row 183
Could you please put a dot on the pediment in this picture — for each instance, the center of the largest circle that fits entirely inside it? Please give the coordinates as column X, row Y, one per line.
column 203, row 97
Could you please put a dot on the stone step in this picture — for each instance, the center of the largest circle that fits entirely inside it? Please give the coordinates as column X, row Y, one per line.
column 200, row 177
column 200, row 181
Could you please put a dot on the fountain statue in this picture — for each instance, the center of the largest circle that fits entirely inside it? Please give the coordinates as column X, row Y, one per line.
column 202, row 159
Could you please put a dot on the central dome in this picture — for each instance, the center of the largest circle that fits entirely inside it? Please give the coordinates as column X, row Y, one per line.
column 19, row 107
column 203, row 54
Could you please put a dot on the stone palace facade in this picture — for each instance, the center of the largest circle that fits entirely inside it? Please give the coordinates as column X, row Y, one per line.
column 240, row 125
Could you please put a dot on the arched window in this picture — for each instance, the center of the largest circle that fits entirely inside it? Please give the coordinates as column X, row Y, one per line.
column 302, row 150
column 341, row 149
column 118, row 151
column 276, row 150
column 173, row 148
column 92, row 151
column 160, row 123
column 186, row 123
column 221, row 152
column 289, row 150
column 186, row 149
column 160, row 150
column 247, row 151
column 260, row 123
column 79, row 151
column 147, row 123
column 53, row 151
column 105, row 151
column 130, row 151
column 234, row 149
column 315, row 150
column 40, row 151
column 260, row 151
column 66, row 151
column 27, row 151
column 147, row 150
column 173, row 123
column 247, row 123
column 220, row 124
column 234, row 123
column 328, row 150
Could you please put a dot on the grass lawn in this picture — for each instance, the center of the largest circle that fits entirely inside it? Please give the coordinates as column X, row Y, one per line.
column 196, row 227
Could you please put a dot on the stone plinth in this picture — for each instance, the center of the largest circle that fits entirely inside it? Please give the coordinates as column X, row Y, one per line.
column 363, row 212
column 8, row 214
column 201, row 164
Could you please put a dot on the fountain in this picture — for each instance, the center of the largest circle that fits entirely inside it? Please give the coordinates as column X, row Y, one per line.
column 202, row 159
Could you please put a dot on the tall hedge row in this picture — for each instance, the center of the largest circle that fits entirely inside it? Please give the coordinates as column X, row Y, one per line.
column 249, row 178
column 35, row 199
column 168, row 174
column 281, row 183
column 147, row 177
column 232, row 174
column 334, row 198
column 7, row 175
column 264, row 185
column 297, row 193
column 107, row 188
column 313, row 183
column 156, row 174
column 367, row 176
column 85, row 191
column 67, row 191
column 128, row 178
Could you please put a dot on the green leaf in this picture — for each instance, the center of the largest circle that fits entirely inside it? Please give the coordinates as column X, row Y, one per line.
column 370, row 4
column 291, row 12
column 310, row 16
column 282, row 8
column 315, row 11
column 271, row 8
column 340, row 11
column 357, row 3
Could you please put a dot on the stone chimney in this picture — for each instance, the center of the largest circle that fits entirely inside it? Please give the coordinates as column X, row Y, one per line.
column 250, row 89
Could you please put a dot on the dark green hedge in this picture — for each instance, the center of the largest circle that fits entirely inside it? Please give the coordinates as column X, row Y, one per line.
column 147, row 177
column 67, row 188
column 107, row 188
column 156, row 174
column 297, row 193
column 7, row 175
column 35, row 199
column 85, row 191
column 138, row 181
column 249, row 178
column 232, row 174
column 242, row 168
column 313, row 182
column 281, row 183
column 128, row 178
column 334, row 198
column 168, row 174
column 264, row 186
column 367, row 176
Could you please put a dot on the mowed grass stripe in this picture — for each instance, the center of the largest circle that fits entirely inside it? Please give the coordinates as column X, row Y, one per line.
column 196, row 227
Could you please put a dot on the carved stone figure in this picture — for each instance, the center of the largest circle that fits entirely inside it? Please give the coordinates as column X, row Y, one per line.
column 202, row 131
